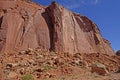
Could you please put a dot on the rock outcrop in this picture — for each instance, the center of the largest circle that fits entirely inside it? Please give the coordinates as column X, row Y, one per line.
column 118, row 53
column 25, row 24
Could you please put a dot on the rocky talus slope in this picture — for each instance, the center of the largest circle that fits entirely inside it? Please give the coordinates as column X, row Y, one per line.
column 24, row 24
column 44, row 65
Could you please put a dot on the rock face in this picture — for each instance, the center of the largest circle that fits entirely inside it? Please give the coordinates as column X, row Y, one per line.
column 118, row 53
column 25, row 24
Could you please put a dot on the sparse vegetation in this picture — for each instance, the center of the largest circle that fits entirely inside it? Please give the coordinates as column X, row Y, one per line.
column 47, row 67
column 28, row 77
column 62, row 78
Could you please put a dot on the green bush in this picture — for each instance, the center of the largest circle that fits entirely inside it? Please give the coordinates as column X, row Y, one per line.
column 28, row 77
column 47, row 67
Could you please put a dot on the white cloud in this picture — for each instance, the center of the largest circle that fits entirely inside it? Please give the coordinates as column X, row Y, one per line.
column 96, row 1
column 70, row 4
column 73, row 4
column 89, row 2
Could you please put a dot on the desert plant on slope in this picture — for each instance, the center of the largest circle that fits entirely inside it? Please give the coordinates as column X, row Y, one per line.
column 28, row 77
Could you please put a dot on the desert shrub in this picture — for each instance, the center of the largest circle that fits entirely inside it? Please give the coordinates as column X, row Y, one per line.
column 47, row 67
column 28, row 77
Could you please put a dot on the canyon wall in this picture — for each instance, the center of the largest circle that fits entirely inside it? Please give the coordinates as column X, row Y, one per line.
column 25, row 24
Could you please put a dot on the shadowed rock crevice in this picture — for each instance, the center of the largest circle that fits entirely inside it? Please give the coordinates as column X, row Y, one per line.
column 96, row 39
column 1, row 18
column 53, row 9
column 3, row 32
column 48, row 20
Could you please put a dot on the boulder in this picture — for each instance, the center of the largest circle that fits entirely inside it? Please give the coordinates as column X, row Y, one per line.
column 99, row 68
column 11, row 75
column 118, row 53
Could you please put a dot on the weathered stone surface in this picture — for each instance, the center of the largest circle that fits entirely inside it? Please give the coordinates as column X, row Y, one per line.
column 24, row 24
column 76, row 33
column 118, row 53
column 7, row 4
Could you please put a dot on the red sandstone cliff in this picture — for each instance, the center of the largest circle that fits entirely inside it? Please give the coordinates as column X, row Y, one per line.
column 24, row 24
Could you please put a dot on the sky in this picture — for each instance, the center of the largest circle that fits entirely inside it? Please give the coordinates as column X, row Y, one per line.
column 105, row 13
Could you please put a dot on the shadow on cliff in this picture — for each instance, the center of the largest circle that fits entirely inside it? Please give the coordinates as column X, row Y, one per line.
column 1, row 18
column 50, row 27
